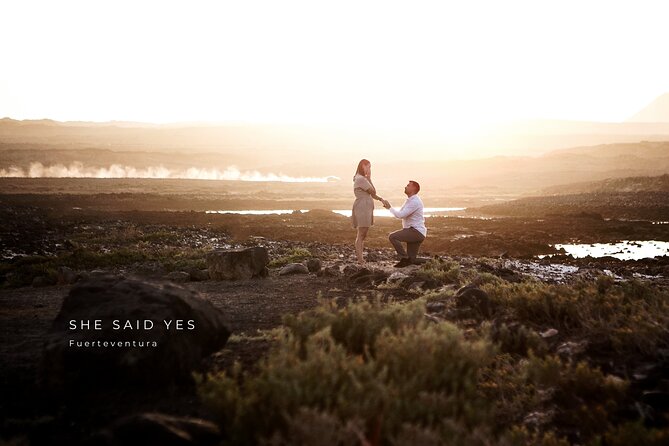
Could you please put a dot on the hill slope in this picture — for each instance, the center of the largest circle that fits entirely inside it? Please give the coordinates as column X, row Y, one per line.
column 656, row 111
column 630, row 184
column 643, row 198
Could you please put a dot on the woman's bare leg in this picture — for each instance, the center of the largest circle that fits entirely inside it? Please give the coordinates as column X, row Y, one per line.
column 359, row 244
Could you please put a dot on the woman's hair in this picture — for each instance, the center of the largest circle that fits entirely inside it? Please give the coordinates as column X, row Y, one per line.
column 359, row 170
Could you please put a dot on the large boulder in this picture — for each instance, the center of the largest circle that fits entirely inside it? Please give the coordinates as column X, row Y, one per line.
column 363, row 277
column 116, row 330
column 471, row 299
column 329, row 271
column 238, row 263
column 314, row 264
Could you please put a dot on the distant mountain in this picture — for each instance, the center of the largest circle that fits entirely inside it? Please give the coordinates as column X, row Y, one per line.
column 50, row 122
column 656, row 111
column 628, row 184
column 644, row 198
column 642, row 149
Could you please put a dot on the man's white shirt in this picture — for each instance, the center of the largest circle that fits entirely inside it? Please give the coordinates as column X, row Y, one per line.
column 411, row 214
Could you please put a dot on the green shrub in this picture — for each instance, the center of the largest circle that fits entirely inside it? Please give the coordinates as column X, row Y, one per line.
column 357, row 325
column 574, row 400
column 521, row 436
column 23, row 270
column 633, row 433
column 516, row 339
column 480, row 278
column 443, row 271
column 362, row 372
column 626, row 318
column 504, row 383
column 294, row 255
column 587, row 399
column 440, row 295
column 185, row 262
column 382, row 373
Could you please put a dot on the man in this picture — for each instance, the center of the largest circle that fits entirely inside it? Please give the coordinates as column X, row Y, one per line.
column 413, row 230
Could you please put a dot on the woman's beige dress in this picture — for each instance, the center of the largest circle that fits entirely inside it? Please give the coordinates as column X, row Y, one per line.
column 363, row 206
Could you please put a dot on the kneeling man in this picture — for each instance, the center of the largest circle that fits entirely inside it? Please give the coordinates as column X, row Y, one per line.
column 413, row 224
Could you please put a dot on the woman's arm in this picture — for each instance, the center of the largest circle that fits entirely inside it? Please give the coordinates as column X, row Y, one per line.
column 365, row 183
column 372, row 190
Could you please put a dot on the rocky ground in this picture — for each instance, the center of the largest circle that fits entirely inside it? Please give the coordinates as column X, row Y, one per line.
column 46, row 251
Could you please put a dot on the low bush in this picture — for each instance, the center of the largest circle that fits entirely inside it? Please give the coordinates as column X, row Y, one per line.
column 516, row 339
column 626, row 318
column 573, row 401
column 443, row 271
column 633, row 433
column 586, row 401
column 373, row 372
column 22, row 270
column 294, row 255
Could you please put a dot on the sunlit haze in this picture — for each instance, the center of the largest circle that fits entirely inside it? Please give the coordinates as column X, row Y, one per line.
column 445, row 66
column 78, row 170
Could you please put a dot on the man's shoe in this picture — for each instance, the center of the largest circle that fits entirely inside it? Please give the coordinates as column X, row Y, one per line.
column 402, row 263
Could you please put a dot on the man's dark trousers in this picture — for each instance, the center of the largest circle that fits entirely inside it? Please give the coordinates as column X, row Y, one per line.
column 413, row 239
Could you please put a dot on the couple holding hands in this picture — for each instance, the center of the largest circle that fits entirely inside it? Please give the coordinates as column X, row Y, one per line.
column 413, row 230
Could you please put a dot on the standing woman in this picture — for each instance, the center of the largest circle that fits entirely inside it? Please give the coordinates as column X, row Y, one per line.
column 362, row 216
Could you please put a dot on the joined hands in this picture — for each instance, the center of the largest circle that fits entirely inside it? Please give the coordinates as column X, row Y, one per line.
column 386, row 203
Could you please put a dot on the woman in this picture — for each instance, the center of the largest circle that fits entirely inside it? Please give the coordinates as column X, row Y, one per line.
column 362, row 216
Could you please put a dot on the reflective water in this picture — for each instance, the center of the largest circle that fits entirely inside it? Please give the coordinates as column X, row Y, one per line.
column 258, row 212
column 427, row 212
column 625, row 250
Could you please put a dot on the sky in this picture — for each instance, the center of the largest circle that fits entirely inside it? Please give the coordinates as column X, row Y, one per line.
column 410, row 64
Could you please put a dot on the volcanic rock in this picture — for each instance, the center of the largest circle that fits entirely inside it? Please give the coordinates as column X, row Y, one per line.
column 294, row 268
column 472, row 298
column 238, row 264
column 314, row 264
column 116, row 330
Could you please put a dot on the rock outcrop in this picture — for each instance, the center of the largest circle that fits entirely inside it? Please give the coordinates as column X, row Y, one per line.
column 116, row 330
column 238, row 264
column 294, row 268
